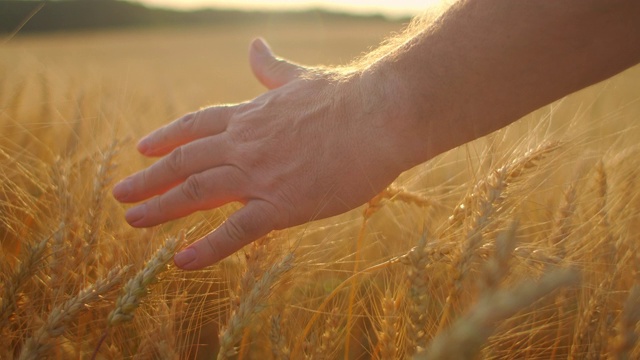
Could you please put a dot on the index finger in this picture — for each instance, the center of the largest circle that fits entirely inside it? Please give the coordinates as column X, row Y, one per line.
column 202, row 123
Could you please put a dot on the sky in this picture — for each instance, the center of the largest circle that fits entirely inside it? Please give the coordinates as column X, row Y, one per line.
column 387, row 7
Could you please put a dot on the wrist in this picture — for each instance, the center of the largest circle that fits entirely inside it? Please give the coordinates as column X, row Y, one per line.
column 412, row 109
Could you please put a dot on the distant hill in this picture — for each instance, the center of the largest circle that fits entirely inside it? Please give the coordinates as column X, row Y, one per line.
column 71, row 15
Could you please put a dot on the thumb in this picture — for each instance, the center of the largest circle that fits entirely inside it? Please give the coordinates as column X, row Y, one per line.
column 246, row 225
column 271, row 71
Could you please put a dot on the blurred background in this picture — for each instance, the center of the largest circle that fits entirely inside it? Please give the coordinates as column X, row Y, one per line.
column 31, row 16
column 81, row 81
column 163, row 58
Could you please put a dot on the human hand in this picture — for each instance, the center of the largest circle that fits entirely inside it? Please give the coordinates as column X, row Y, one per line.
column 318, row 144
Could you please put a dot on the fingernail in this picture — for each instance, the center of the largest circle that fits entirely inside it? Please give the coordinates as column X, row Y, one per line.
column 122, row 190
column 185, row 257
column 143, row 145
column 136, row 214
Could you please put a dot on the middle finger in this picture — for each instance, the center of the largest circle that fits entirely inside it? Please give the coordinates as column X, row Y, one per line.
column 182, row 162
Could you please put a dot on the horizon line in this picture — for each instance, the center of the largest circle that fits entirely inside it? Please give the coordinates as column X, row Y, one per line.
column 293, row 8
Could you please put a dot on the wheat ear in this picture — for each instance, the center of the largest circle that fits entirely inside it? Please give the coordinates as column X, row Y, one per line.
column 329, row 339
column 562, row 222
column 252, row 304
column 488, row 200
column 417, row 297
column 60, row 317
column 101, row 184
column 497, row 267
column 466, row 336
column 60, row 177
column 513, row 170
column 25, row 270
column 627, row 334
column 391, row 193
column 388, row 334
column 136, row 288
column 279, row 347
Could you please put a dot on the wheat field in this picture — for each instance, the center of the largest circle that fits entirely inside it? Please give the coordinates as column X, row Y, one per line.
column 520, row 245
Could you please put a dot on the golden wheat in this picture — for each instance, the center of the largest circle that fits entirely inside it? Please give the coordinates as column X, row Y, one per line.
column 137, row 287
column 457, row 258
column 41, row 341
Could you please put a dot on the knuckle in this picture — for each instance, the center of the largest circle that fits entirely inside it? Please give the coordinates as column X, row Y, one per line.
column 284, row 212
column 273, row 217
column 175, row 160
column 143, row 180
column 192, row 189
column 242, row 134
column 234, row 230
column 186, row 124
column 235, row 177
column 214, row 249
column 158, row 206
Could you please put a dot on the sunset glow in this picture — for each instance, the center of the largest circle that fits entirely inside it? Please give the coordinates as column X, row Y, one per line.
column 386, row 7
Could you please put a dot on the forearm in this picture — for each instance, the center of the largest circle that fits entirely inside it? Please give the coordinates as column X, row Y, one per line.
column 485, row 63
